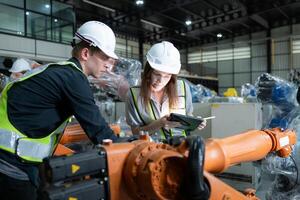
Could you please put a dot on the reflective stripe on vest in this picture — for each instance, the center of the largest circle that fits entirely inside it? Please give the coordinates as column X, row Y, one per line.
column 181, row 107
column 13, row 141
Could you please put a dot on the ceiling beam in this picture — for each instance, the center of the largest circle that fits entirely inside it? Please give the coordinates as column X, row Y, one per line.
column 243, row 24
column 99, row 5
column 107, row 20
column 201, row 19
column 210, row 4
column 192, row 14
column 281, row 11
column 261, row 21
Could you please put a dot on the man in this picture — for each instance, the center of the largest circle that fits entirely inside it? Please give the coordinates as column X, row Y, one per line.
column 34, row 109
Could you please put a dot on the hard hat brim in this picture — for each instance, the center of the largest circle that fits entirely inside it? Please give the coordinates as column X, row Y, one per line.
column 16, row 71
column 110, row 54
column 163, row 68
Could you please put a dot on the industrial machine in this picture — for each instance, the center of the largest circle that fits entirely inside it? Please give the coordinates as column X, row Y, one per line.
column 146, row 170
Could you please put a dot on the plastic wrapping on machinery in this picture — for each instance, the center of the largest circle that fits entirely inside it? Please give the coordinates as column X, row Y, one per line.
column 3, row 81
column 272, row 89
column 131, row 69
column 125, row 74
column 248, row 92
column 199, row 92
column 281, row 96
column 286, row 184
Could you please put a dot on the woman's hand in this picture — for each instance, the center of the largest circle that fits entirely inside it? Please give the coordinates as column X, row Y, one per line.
column 169, row 124
column 156, row 125
column 163, row 123
column 202, row 125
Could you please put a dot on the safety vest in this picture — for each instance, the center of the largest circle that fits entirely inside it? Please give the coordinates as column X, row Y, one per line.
column 15, row 142
column 180, row 109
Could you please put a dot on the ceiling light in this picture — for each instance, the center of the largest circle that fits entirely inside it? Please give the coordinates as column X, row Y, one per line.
column 188, row 22
column 47, row 6
column 139, row 2
column 27, row 13
column 219, row 35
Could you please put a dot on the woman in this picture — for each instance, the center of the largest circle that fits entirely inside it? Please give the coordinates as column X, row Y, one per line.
column 160, row 94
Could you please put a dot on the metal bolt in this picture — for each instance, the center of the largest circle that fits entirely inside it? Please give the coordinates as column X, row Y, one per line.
column 107, row 142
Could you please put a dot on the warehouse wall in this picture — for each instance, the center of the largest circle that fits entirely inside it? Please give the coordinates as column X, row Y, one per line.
column 241, row 60
column 17, row 46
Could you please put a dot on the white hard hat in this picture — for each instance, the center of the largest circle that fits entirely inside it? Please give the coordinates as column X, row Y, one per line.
column 20, row 65
column 99, row 35
column 164, row 57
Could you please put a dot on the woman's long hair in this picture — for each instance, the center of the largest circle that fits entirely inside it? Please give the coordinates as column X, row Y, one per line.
column 170, row 88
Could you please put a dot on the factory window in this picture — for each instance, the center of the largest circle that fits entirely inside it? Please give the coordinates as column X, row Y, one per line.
column 296, row 46
column 194, row 57
column 42, row 19
column 17, row 3
column 225, row 54
column 63, row 11
column 12, row 23
column 62, row 31
column 203, row 55
column 241, row 52
column 209, row 56
column 41, row 6
column 121, row 50
column 39, row 26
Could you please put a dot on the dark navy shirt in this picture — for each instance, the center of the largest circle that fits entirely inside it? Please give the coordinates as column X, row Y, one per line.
column 38, row 105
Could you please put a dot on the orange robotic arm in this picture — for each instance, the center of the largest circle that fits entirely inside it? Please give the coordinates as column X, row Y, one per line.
column 146, row 170
column 248, row 146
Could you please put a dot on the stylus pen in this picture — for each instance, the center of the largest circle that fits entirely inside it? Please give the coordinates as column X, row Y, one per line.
column 211, row 117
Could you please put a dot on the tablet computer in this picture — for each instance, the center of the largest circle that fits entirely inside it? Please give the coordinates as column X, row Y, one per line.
column 188, row 123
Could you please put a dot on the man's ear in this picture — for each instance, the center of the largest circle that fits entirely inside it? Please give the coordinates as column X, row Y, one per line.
column 84, row 54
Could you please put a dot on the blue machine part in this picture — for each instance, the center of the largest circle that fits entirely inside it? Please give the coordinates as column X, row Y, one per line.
column 279, row 122
column 282, row 93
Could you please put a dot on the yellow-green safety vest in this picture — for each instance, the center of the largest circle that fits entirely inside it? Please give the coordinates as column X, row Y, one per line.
column 181, row 107
column 13, row 141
